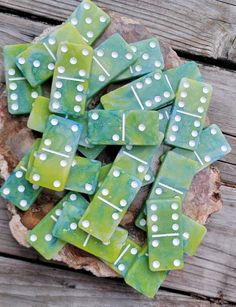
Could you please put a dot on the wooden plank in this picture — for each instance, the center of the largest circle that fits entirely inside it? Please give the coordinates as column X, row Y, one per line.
column 210, row 273
column 202, row 27
column 27, row 284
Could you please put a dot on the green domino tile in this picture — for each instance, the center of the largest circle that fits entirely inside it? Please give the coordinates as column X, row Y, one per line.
column 153, row 91
column 20, row 94
column 41, row 236
column 89, row 20
column 164, row 117
column 37, row 62
column 126, row 257
column 91, row 153
column 70, row 79
column 67, row 230
column 174, row 177
column 52, row 162
column 212, row 146
column 189, row 114
column 141, row 220
column 110, row 59
column 141, row 278
column 188, row 70
column 165, row 234
column 148, row 178
column 149, row 58
column 17, row 189
column 108, row 207
column 83, row 176
column 39, row 114
column 119, row 128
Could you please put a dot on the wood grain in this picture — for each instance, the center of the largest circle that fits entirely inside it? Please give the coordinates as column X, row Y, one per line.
column 203, row 27
column 210, row 273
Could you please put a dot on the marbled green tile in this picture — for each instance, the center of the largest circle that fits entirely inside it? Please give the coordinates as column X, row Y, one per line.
column 52, row 162
column 189, row 114
column 212, row 146
column 83, row 176
column 141, row 278
column 89, row 20
column 165, row 234
column 118, row 128
column 70, row 79
column 110, row 59
column 153, row 91
column 41, row 236
column 149, row 58
column 38, row 61
column 20, row 94
column 67, row 230
column 110, row 204
column 16, row 189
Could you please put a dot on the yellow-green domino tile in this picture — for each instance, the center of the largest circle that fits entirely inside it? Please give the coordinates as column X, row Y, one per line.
column 53, row 159
column 90, row 20
column 70, row 79
column 20, row 94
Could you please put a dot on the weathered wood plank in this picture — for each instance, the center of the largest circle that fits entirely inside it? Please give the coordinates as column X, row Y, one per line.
column 210, row 273
column 23, row 283
column 206, row 28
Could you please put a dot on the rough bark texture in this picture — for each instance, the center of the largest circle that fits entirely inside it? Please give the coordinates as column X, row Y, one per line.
column 202, row 200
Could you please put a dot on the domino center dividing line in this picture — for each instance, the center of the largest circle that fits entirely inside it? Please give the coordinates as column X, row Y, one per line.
column 170, row 188
column 23, row 168
column 134, row 157
column 122, row 254
column 109, row 203
column 53, row 217
column 50, row 51
column 190, row 114
column 86, row 240
column 102, row 67
column 17, row 79
column 168, row 81
column 137, row 97
column 174, row 234
column 198, row 157
column 55, row 152
column 70, row 79
column 123, row 127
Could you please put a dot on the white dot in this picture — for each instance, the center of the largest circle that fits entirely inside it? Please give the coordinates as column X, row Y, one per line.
column 11, row 71
column 158, row 191
column 47, row 142
column 86, row 6
column 129, row 56
column 90, row 34
column 157, row 76
column 115, row 137
column 21, row 61
column 141, row 168
column 56, row 183
column 57, row 95
column 139, row 85
column 74, row 128
column 61, row 69
column 33, row 238
column 148, row 103
column 176, row 262
column 205, row 90
column 207, row 158
column 192, row 143
column 134, row 49
column 223, row 148
column 80, row 88
column 194, row 133
column 128, row 147
column 157, row 63
column 78, row 98
column 152, row 44
column 114, row 54
column 175, row 242
column 36, row 63
column 85, row 52
column 174, row 206
column 147, row 177
column 203, row 100
column 200, row 109
column 19, row 174
column 156, row 264
column 183, row 94
column 105, row 192
column 88, row 20
column 77, row 108
column 13, row 86
column 155, row 243
column 74, row 21
column 213, row 131
column 88, row 187
column 52, row 41
column 21, row 188
column 73, row 61
column 36, row 177
column 141, row 127
column 94, row 116
column 51, row 66
column 68, row 148
column 73, row 197
column 101, row 78
column 59, row 84
column 121, row 267
column 157, row 98
column 23, row 203
column 54, row 121
column 48, row 237
column 148, row 81
column 172, row 138
column 138, row 68
column 154, row 218
column 134, row 184
column 123, row 202
column 186, row 235
column 115, row 216
column 64, row 48
column 100, row 53
column 103, row 19
column 74, row 163
column 73, row 226
column 177, row 118
column 14, row 96
column 197, row 123
column 186, row 84
column 154, row 228
column 133, row 251
column 43, row 156
column 153, row 207
column 35, row 186
column 14, row 106
column 58, row 212
column 161, row 116
column 145, row 56
column 6, row 191
column 116, row 173
column 175, row 216
column 142, row 222
column 166, row 94
column 175, row 128
column 175, row 227
column 181, row 104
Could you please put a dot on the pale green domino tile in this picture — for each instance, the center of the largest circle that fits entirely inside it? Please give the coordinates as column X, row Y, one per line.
column 108, row 207
column 83, row 176
column 165, row 234
column 41, row 237
column 89, row 20
column 153, row 91
column 164, row 117
column 189, row 114
column 67, row 230
column 212, row 146
column 52, row 161
column 20, row 94
column 174, row 176
column 149, row 58
column 110, row 59
column 17, row 189
column 38, row 61
column 119, row 128
column 126, row 257
column 39, row 114
column 70, row 79
column 141, row 278
column 188, row 70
